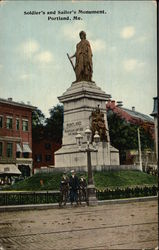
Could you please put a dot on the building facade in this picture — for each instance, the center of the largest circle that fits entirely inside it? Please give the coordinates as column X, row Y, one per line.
column 141, row 120
column 131, row 115
column 16, row 136
column 43, row 153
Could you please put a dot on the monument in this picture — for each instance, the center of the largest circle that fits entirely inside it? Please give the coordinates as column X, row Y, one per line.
column 84, row 106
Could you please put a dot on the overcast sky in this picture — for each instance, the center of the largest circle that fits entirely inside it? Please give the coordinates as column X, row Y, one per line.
column 33, row 62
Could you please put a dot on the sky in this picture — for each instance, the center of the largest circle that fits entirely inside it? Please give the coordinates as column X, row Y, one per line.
column 34, row 66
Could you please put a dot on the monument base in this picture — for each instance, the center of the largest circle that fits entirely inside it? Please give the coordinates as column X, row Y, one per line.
column 71, row 156
column 80, row 100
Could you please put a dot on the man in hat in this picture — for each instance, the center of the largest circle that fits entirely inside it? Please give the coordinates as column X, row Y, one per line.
column 64, row 189
column 74, row 186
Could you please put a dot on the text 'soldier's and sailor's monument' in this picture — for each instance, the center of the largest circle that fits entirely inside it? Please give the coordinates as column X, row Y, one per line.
column 84, row 106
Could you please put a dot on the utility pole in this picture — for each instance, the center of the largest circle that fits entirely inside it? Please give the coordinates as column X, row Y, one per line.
column 139, row 145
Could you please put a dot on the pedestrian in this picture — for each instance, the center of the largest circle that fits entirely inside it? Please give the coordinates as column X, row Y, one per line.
column 74, row 186
column 64, row 189
column 82, row 189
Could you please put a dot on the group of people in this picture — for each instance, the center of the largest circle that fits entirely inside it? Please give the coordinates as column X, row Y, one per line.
column 73, row 189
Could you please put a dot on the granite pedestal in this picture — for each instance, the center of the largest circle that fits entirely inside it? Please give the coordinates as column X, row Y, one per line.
column 79, row 101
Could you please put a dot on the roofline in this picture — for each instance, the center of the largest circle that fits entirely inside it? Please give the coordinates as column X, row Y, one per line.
column 13, row 103
column 125, row 109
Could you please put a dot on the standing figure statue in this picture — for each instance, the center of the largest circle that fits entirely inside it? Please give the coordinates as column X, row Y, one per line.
column 83, row 66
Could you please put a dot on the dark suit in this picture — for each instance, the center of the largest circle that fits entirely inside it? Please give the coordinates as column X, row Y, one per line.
column 74, row 185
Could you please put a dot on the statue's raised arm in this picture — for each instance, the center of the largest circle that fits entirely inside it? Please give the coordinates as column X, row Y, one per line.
column 83, row 65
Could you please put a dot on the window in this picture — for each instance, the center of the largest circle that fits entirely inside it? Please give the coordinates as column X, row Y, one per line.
column 9, row 149
column 26, row 155
column 17, row 154
column 9, row 122
column 1, row 148
column 17, row 124
column 48, row 158
column 25, row 125
column 47, row 146
column 38, row 158
column 1, row 121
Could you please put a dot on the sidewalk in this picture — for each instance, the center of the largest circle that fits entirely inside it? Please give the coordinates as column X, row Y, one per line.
column 56, row 205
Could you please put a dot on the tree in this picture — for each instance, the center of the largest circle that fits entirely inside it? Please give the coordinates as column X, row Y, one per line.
column 123, row 135
column 38, row 118
column 48, row 128
column 38, row 124
column 54, row 124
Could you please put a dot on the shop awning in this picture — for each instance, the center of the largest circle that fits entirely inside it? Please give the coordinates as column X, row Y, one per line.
column 9, row 169
column 19, row 149
column 26, row 148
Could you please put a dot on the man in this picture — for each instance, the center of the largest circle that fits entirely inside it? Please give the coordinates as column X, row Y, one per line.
column 74, row 185
column 83, row 65
column 64, row 188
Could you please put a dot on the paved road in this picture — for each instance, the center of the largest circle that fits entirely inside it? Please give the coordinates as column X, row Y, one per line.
column 116, row 226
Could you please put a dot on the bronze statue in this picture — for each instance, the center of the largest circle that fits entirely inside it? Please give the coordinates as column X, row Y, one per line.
column 83, row 66
column 98, row 124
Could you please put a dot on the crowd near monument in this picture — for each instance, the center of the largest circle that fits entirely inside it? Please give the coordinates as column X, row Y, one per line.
column 84, row 107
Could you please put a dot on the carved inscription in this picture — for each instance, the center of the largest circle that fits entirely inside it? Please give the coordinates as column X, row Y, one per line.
column 72, row 127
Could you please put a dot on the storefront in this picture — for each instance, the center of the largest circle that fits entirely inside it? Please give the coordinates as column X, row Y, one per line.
column 7, row 173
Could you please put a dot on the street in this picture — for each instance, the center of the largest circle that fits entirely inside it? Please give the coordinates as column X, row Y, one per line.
column 114, row 226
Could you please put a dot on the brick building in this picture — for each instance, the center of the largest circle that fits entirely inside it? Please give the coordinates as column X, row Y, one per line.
column 131, row 115
column 43, row 153
column 15, row 137
column 134, row 117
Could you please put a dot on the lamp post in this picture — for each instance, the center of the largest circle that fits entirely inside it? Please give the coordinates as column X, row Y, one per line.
column 91, row 192
column 139, row 144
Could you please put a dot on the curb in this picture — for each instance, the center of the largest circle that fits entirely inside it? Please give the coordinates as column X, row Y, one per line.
column 56, row 205
column 128, row 200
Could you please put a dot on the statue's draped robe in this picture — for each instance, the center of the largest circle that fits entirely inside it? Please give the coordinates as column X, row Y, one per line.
column 84, row 65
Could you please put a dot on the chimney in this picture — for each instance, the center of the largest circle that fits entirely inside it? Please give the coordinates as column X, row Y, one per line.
column 108, row 103
column 10, row 99
column 113, row 103
column 133, row 108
